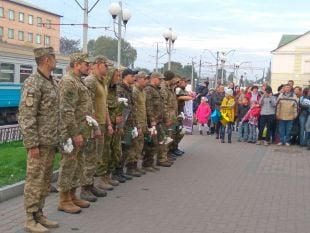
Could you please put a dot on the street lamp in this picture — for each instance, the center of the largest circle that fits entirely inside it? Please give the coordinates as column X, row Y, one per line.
column 170, row 38
column 237, row 66
column 123, row 15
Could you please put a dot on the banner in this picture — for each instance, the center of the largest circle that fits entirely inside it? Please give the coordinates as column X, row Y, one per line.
column 188, row 112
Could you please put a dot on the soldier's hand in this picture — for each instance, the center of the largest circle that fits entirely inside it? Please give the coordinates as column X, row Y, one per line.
column 34, row 153
column 119, row 119
column 140, row 131
column 110, row 130
column 98, row 133
column 78, row 140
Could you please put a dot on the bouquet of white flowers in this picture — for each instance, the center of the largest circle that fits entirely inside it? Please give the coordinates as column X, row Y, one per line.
column 91, row 121
column 68, row 146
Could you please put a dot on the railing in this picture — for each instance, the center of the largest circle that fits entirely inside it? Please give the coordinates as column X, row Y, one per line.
column 9, row 133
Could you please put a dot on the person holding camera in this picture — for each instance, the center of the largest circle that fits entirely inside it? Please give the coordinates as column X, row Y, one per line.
column 267, row 118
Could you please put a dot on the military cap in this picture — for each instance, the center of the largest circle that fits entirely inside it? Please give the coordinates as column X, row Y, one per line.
column 128, row 71
column 40, row 52
column 141, row 74
column 100, row 59
column 168, row 75
column 79, row 57
column 157, row 75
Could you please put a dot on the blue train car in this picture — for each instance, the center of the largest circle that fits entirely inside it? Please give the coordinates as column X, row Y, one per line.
column 9, row 101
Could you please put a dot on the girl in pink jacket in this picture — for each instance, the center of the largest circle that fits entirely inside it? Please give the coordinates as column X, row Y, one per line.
column 203, row 114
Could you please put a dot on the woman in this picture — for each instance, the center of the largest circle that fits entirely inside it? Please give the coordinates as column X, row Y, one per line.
column 228, row 109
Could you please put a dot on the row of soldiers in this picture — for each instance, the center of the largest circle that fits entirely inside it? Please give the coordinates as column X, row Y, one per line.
column 103, row 121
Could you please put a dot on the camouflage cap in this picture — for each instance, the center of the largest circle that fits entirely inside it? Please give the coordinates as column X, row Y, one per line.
column 79, row 57
column 40, row 52
column 100, row 59
column 157, row 75
column 141, row 74
column 168, row 75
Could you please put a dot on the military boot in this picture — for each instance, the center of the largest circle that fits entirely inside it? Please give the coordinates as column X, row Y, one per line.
column 32, row 226
column 112, row 181
column 79, row 202
column 87, row 195
column 164, row 164
column 122, row 174
column 66, row 204
column 135, row 166
column 116, row 176
column 155, row 168
column 97, row 192
column 104, row 183
column 133, row 172
column 44, row 221
column 149, row 169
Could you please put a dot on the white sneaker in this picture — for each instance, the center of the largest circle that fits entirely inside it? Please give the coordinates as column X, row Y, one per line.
column 266, row 143
column 280, row 144
column 287, row 144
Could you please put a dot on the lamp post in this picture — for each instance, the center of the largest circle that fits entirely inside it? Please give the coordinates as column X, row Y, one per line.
column 122, row 16
column 170, row 38
column 237, row 66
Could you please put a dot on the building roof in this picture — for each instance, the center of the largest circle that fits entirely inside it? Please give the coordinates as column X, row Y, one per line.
column 24, row 3
column 286, row 39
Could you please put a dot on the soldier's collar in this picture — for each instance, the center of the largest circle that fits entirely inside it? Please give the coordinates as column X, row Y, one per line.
column 50, row 78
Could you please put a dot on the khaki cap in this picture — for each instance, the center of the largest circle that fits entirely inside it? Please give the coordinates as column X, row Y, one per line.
column 40, row 52
column 100, row 59
column 79, row 57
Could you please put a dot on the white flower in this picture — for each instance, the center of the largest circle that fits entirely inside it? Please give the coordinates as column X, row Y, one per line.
column 168, row 140
column 182, row 115
column 91, row 121
column 183, row 131
column 134, row 133
column 123, row 100
column 153, row 130
column 68, row 146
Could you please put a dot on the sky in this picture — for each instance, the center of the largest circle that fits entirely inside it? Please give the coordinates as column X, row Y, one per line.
column 249, row 29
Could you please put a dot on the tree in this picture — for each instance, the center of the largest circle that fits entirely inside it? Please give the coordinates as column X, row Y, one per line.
column 68, row 46
column 107, row 47
column 178, row 68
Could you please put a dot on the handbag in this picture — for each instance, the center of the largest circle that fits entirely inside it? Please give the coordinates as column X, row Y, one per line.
column 225, row 118
column 215, row 116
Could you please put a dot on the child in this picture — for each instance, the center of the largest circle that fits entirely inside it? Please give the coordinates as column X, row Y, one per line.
column 228, row 109
column 252, row 117
column 203, row 114
column 244, row 126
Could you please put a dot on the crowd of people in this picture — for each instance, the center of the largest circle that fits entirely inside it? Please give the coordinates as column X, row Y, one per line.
column 103, row 121
column 258, row 115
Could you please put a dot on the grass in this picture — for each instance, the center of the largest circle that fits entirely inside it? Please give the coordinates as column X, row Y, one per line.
column 13, row 158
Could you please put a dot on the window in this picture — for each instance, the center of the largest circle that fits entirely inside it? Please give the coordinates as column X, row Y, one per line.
column 58, row 72
column 48, row 24
column 39, row 21
column 30, row 19
column 20, row 35
column 1, row 32
column 25, row 72
column 38, row 39
column 21, row 17
column 6, row 72
column 11, row 15
column 11, row 33
column 1, row 12
column 30, row 37
column 47, row 40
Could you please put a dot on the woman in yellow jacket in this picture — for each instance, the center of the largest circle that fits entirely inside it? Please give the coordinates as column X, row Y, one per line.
column 228, row 114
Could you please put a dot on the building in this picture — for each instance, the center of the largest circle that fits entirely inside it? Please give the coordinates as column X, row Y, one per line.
column 22, row 23
column 291, row 61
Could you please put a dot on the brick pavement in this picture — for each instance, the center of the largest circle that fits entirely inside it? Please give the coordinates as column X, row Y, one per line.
column 214, row 188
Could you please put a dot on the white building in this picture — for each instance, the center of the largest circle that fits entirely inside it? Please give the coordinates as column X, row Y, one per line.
column 291, row 61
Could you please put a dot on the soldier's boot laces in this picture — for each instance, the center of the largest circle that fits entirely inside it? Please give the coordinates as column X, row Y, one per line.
column 111, row 181
column 32, row 226
column 44, row 221
column 87, row 195
column 66, row 204
column 79, row 202
column 97, row 192
column 104, row 183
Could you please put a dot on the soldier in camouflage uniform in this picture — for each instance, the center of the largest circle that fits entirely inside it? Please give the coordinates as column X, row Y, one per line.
column 75, row 104
column 124, row 90
column 38, row 120
column 155, row 119
column 97, row 87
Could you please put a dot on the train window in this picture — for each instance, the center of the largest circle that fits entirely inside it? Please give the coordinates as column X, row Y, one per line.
column 25, row 72
column 6, row 72
column 58, row 72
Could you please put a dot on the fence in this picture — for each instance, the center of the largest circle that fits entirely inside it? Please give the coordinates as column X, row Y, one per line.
column 9, row 133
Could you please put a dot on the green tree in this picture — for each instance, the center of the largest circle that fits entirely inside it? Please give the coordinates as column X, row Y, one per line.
column 107, row 46
column 178, row 68
column 68, row 46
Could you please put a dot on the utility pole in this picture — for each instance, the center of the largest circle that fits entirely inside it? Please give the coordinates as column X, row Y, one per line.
column 157, row 57
column 199, row 75
column 192, row 77
column 217, row 65
column 85, row 26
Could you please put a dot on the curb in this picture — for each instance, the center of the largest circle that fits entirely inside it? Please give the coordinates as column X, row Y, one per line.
column 17, row 189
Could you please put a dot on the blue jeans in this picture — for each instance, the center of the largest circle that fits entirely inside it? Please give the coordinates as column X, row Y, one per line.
column 252, row 133
column 229, row 131
column 285, row 128
column 243, row 131
column 302, row 133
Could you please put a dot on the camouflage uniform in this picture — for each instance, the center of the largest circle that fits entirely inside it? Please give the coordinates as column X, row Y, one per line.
column 75, row 105
column 38, row 120
column 154, row 112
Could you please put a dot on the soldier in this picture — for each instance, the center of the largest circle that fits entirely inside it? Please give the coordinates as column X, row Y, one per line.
column 135, row 151
column 155, row 120
column 124, row 90
column 75, row 104
column 38, row 120
column 93, row 155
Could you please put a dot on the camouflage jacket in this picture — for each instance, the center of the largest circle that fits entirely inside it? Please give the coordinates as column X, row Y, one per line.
column 75, row 104
column 154, row 104
column 113, row 104
column 38, row 111
column 124, row 91
column 139, row 100
column 170, row 102
column 98, row 92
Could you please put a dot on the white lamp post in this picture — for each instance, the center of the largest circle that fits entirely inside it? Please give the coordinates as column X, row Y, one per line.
column 123, row 15
column 170, row 38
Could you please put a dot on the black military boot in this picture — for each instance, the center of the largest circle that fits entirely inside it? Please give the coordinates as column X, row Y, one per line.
column 87, row 195
column 97, row 192
column 123, row 175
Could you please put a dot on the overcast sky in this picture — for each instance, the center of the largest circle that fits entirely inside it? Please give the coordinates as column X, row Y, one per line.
column 252, row 28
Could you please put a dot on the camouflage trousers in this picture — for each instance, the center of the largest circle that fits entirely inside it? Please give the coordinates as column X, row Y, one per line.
column 111, row 154
column 177, row 137
column 38, row 179
column 71, row 171
column 90, row 161
column 134, row 152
